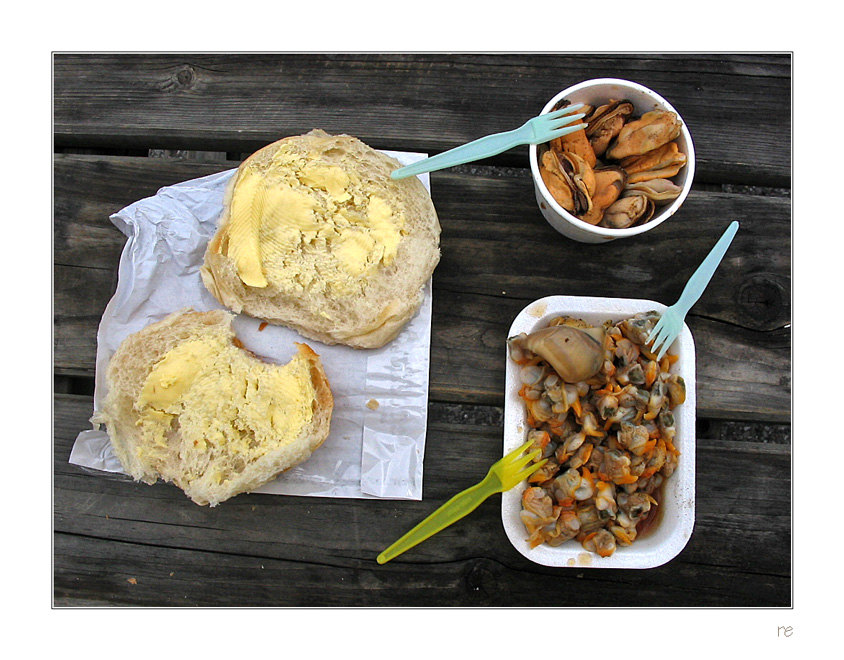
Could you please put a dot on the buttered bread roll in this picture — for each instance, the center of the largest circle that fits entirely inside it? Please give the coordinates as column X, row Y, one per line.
column 316, row 236
column 187, row 404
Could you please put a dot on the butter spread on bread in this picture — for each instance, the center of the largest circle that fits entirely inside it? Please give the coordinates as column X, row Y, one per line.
column 315, row 235
column 186, row 404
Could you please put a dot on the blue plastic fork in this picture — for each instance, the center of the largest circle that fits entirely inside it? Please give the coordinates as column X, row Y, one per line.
column 534, row 131
column 671, row 322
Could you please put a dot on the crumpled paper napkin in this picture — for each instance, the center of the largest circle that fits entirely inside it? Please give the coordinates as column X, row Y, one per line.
column 377, row 441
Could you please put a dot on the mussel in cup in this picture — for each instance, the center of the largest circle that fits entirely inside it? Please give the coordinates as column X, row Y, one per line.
column 617, row 171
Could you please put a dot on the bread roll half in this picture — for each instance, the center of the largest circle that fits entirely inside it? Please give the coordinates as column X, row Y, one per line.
column 316, row 236
column 187, row 404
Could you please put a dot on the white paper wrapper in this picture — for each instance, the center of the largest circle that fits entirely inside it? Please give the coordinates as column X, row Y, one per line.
column 373, row 450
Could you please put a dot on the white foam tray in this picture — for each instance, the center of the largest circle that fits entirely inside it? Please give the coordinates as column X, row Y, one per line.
column 676, row 517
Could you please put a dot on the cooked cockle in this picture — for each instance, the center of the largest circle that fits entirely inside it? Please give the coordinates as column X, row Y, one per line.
column 605, row 497
column 623, row 535
column 608, row 438
column 540, row 440
column 631, row 396
column 615, row 466
column 571, row 485
column 676, row 389
column 638, row 328
column 537, row 512
column 539, row 409
column 568, row 525
column 607, row 405
column 569, row 446
column 581, row 456
column 601, row 542
column 626, row 352
column 634, row 507
column 544, row 473
column 656, row 400
column 633, row 438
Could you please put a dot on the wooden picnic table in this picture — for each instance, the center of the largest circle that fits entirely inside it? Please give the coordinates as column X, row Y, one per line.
column 127, row 124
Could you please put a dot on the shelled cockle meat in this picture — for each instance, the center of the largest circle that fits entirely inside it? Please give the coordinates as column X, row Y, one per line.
column 599, row 408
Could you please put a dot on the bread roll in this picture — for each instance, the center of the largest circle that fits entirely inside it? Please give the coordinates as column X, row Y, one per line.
column 316, row 236
column 186, row 404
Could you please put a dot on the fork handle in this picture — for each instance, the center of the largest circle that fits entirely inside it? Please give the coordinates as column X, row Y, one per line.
column 700, row 278
column 459, row 506
column 489, row 145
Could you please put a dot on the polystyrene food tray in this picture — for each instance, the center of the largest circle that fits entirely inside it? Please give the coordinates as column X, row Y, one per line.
column 676, row 514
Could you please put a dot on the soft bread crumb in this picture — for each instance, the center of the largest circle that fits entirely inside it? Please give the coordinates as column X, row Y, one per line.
column 348, row 259
column 186, row 405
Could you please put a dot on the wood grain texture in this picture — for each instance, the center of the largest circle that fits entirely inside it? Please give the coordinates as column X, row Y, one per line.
column 250, row 550
column 126, row 125
column 498, row 254
column 418, row 102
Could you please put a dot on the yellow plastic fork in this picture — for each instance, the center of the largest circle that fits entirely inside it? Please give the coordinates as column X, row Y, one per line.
column 502, row 476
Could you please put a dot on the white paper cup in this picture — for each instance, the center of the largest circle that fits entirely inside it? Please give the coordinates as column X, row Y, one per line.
column 597, row 92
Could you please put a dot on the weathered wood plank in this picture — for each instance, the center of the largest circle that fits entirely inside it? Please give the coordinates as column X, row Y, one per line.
column 89, row 189
column 80, row 296
column 496, row 242
column 126, row 544
column 419, row 102
column 498, row 255
column 740, row 374
column 109, row 530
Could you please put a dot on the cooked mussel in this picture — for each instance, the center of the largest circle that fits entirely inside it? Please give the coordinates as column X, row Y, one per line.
column 657, row 190
column 555, row 180
column 609, row 184
column 570, row 180
column 628, row 211
column 577, row 142
column 660, row 163
column 652, row 130
column 576, row 354
column 605, row 123
column 615, row 172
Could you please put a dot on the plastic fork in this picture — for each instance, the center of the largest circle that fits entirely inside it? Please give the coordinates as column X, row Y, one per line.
column 534, row 131
column 670, row 323
column 502, row 476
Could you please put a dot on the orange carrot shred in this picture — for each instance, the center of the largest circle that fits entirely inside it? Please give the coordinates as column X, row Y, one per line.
column 626, row 479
